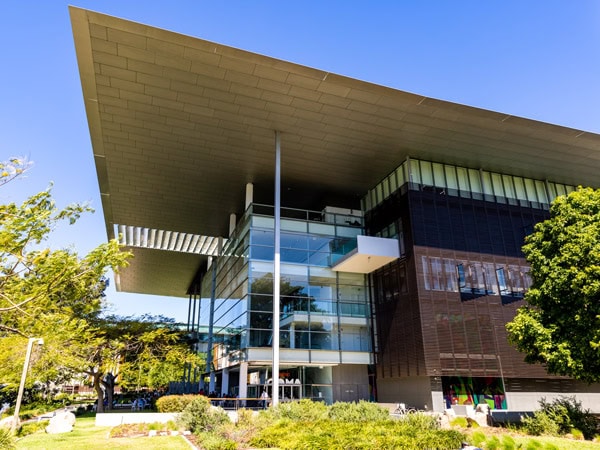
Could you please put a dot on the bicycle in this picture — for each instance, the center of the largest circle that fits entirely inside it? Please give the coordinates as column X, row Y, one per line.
column 402, row 409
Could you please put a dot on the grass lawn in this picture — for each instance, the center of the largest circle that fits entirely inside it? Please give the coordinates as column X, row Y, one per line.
column 86, row 435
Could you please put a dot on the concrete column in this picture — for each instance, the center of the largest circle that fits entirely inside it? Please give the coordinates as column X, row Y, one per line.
column 249, row 194
column 232, row 223
column 225, row 382
column 292, row 335
column 276, row 269
column 243, row 380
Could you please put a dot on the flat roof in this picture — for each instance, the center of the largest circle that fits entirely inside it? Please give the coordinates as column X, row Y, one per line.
column 179, row 125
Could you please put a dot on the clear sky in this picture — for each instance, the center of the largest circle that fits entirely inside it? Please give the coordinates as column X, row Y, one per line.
column 538, row 59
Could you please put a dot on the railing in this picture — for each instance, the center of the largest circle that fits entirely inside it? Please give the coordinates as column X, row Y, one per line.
column 308, row 215
column 230, row 403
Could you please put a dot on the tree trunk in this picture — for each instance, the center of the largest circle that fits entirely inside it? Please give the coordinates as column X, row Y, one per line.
column 109, row 388
column 99, row 392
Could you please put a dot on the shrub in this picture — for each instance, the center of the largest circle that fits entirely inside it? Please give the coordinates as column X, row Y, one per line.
column 7, row 440
column 31, row 427
column 540, row 423
column 577, row 434
column 174, row 403
column 459, row 422
column 493, row 443
column 334, row 435
column 578, row 418
column 508, row 443
column 478, row 438
column 212, row 441
column 302, row 410
column 559, row 417
column 534, row 445
column 357, row 412
column 199, row 416
column 421, row 422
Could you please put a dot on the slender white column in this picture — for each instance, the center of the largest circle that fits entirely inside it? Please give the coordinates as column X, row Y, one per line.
column 249, row 194
column 232, row 223
column 276, row 270
column 243, row 393
column 209, row 356
column 225, row 382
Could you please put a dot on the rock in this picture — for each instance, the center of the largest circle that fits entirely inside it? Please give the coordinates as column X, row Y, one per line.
column 7, row 422
column 152, row 433
column 62, row 422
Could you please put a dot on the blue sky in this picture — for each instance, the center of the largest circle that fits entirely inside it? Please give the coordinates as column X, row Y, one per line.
column 538, row 59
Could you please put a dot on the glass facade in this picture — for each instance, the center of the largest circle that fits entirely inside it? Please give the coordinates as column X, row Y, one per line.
column 315, row 300
column 467, row 183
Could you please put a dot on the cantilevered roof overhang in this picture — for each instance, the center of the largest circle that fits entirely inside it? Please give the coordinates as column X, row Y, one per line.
column 179, row 125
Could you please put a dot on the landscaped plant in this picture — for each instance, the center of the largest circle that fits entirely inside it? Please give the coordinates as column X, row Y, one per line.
column 357, row 412
column 30, row 428
column 7, row 440
column 174, row 403
column 562, row 416
column 302, row 410
column 199, row 416
column 329, row 434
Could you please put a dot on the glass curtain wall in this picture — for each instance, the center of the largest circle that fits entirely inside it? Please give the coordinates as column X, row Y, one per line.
column 314, row 299
column 469, row 183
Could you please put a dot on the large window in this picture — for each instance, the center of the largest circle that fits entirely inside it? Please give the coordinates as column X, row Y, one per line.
column 475, row 278
column 446, row 179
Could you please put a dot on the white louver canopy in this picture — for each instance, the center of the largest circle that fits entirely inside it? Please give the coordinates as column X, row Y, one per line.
column 175, row 241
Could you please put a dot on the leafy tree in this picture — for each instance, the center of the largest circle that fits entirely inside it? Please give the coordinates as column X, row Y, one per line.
column 560, row 324
column 37, row 281
column 13, row 168
column 52, row 294
column 148, row 351
column 59, row 296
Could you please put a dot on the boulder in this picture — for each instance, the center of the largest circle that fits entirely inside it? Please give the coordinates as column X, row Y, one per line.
column 62, row 422
column 7, row 422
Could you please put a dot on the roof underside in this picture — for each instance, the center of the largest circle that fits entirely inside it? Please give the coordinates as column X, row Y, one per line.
column 179, row 125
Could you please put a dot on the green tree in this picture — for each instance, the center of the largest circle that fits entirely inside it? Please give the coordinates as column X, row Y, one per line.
column 52, row 294
column 560, row 324
column 59, row 296
column 13, row 168
column 133, row 352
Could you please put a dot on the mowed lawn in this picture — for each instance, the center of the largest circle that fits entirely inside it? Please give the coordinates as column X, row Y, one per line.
column 86, row 436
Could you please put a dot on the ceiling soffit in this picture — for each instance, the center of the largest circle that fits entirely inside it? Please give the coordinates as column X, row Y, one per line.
column 179, row 125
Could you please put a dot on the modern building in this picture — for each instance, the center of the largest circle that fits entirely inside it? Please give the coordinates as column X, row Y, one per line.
column 389, row 225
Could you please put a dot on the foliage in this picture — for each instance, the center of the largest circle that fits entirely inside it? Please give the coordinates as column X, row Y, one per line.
column 541, row 423
column 420, row 421
column 32, row 427
column 174, row 403
column 155, row 352
column 13, row 168
column 560, row 417
column 459, row 422
column 508, row 443
column 198, row 416
column 287, row 434
column 560, row 324
column 357, row 412
column 577, row 434
column 48, row 293
column 214, row 441
column 7, row 440
column 302, row 410
column 477, row 439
